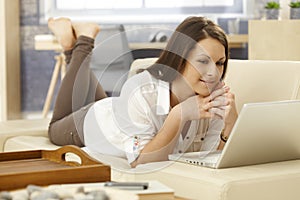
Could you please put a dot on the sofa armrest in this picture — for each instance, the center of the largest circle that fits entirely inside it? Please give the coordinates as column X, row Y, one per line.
column 13, row 128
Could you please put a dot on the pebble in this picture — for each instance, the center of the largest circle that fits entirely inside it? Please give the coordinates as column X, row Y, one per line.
column 20, row 196
column 33, row 188
column 42, row 195
column 81, row 196
column 99, row 195
column 80, row 189
column 34, row 192
column 5, row 196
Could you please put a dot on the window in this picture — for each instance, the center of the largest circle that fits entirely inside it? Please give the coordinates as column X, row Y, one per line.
column 140, row 11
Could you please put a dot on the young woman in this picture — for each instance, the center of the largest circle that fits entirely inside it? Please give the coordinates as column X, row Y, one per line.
column 178, row 104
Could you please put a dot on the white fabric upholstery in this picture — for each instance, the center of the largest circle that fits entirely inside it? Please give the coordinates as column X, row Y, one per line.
column 274, row 181
column 11, row 130
column 259, row 81
column 140, row 64
column 251, row 81
column 23, row 143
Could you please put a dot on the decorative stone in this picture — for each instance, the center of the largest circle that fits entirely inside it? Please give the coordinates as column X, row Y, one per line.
column 99, row 195
column 42, row 195
column 81, row 196
column 20, row 196
column 33, row 188
column 80, row 189
column 5, row 196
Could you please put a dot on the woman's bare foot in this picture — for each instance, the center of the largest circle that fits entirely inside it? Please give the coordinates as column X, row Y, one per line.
column 86, row 29
column 63, row 30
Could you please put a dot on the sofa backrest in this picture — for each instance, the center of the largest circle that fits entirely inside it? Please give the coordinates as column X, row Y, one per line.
column 142, row 63
column 261, row 81
column 254, row 80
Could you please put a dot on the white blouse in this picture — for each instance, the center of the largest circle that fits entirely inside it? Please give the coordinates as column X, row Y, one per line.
column 122, row 126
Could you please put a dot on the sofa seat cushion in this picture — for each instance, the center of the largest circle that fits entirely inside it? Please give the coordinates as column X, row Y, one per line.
column 274, row 181
column 24, row 127
column 25, row 143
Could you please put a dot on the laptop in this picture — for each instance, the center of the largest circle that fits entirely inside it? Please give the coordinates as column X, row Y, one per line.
column 263, row 133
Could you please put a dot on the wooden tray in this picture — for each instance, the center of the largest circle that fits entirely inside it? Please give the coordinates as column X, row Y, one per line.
column 45, row 167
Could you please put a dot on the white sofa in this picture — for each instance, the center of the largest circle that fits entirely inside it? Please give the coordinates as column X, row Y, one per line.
column 251, row 81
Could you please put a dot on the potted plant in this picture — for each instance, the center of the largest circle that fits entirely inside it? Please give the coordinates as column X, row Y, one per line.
column 272, row 10
column 295, row 10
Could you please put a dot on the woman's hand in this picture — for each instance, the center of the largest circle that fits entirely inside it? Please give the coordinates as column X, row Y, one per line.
column 197, row 107
column 230, row 116
column 230, row 111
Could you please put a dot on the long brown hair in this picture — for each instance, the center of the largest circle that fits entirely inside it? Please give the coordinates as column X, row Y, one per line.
column 173, row 58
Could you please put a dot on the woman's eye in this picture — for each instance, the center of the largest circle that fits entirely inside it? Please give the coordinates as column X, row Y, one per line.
column 220, row 64
column 203, row 61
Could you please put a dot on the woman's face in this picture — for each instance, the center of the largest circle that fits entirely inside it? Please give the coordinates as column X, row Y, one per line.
column 205, row 66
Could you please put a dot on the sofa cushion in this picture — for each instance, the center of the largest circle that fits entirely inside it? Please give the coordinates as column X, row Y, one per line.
column 263, row 80
column 13, row 128
column 25, row 143
column 274, row 181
